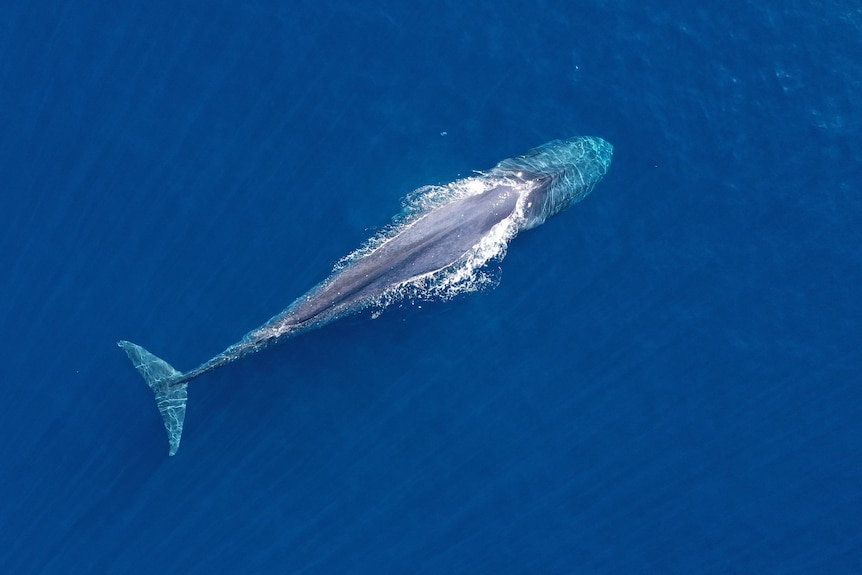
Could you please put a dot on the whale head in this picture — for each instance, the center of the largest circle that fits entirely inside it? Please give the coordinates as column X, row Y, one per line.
column 557, row 174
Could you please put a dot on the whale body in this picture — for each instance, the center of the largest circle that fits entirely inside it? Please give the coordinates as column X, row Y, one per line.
column 438, row 247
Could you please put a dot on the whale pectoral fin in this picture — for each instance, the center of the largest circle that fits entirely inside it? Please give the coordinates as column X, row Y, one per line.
column 170, row 399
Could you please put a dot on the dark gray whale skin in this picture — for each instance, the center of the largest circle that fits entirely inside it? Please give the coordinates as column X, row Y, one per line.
column 432, row 243
column 517, row 194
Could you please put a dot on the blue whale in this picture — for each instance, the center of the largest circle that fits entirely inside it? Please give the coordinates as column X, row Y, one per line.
column 437, row 248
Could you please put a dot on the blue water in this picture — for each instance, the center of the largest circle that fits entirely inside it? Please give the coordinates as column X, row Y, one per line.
column 666, row 380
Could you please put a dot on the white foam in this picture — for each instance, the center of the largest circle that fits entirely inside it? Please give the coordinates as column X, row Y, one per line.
column 470, row 272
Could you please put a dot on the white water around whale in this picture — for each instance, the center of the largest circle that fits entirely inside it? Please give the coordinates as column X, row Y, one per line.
column 470, row 273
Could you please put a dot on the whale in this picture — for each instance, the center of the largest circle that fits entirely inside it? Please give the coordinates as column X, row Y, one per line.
column 438, row 247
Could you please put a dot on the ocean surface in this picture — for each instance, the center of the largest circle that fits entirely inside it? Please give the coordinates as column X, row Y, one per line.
column 666, row 379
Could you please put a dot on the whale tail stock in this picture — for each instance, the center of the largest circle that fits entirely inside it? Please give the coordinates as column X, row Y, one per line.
column 171, row 396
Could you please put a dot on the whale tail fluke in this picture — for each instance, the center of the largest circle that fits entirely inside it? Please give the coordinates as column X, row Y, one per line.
column 170, row 397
